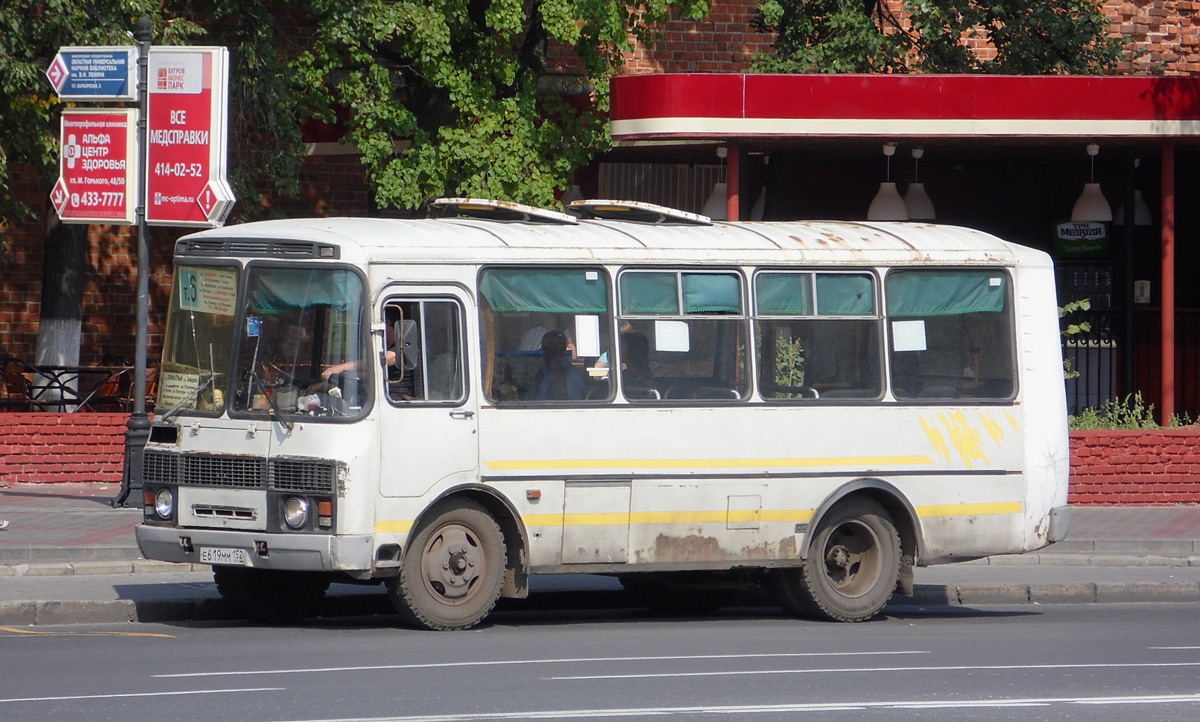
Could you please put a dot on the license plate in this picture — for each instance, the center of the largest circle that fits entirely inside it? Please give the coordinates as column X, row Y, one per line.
column 224, row 555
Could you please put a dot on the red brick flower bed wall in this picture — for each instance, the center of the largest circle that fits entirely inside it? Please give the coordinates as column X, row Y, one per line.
column 1147, row 467
column 1141, row 468
column 48, row 447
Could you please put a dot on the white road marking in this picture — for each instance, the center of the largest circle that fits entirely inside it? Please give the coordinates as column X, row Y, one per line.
column 851, row 670
column 571, row 660
column 126, row 695
column 751, row 710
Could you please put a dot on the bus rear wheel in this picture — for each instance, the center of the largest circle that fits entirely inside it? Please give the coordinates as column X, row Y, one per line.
column 453, row 571
column 852, row 566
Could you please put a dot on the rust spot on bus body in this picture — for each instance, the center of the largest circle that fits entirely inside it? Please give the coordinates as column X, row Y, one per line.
column 696, row 548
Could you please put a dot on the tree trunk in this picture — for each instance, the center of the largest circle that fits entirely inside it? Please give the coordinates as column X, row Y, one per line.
column 60, row 326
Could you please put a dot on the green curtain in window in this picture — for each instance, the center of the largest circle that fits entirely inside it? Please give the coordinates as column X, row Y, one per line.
column 845, row 295
column 944, row 293
column 545, row 290
column 711, row 293
column 784, row 294
column 649, row 293
column 275, row 290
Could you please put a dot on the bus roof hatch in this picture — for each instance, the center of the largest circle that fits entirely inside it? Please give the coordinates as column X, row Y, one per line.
column 500, row 211
column 637, row 212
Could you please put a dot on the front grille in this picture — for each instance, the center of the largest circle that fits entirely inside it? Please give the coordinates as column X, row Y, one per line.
column 314, row 477
column 231, row 472
column 310, row 476
column 160, row 468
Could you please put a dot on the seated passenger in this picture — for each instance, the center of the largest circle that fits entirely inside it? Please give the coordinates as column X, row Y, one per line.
column 557, row 379
column 635, row 360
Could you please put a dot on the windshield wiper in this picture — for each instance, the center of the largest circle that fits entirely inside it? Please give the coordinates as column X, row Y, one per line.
column 275, row 412
column 194, row 400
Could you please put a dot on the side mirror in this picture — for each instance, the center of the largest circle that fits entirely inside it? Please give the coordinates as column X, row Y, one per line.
column 410, row 350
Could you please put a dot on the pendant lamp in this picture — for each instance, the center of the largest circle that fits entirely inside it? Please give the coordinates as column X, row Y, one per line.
column 1141, row 210
column 916, row 200
column 716, row 207
column 887, row 204
column 1092, row 205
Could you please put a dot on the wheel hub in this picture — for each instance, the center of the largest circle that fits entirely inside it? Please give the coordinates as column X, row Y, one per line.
column 838, row 557
column 453, row 561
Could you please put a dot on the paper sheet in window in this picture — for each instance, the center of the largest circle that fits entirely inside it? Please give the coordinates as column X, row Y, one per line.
column 587, row 336
column 672, row 336
column 908, row 336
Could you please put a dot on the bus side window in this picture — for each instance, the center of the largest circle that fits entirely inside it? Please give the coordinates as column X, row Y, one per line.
column 545, row 335
column 424, row 351
column 951, row 335
column 817, row 336
column 685, row 335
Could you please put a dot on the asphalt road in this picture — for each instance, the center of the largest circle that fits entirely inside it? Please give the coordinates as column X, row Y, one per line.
column 1059, row 662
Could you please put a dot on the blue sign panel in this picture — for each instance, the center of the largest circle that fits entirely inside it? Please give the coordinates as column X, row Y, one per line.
column 95, row 73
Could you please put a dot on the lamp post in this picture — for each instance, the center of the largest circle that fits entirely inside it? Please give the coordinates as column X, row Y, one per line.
column 137, row 429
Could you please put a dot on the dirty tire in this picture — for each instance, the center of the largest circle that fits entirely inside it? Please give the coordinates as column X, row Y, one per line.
column 271, row 595
column 852, row 567
column 453, row 571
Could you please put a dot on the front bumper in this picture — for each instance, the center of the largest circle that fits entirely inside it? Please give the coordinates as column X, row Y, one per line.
column 1060, row 521
column 297, row 552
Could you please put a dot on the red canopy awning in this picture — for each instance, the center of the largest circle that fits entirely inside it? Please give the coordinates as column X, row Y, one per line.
column 697, row 106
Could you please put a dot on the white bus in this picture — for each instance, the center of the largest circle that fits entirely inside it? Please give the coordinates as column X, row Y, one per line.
column 451, row 405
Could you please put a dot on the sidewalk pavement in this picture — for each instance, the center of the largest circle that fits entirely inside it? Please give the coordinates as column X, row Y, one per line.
column 70, row 557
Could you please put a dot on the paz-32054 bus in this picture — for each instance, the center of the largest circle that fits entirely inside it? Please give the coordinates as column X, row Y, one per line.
column 450, row 405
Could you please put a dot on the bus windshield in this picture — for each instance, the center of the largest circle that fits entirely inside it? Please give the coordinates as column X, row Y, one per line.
column 198, row 342
column 300, row 350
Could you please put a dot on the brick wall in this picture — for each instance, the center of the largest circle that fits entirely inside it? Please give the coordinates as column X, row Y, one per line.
column 50, row 448
column 1138, row 468
column 1166, row 34
column 1141, row 468
column 723, row 42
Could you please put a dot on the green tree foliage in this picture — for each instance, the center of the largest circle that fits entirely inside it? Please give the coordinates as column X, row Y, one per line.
column 935, row 36
column 473, row 88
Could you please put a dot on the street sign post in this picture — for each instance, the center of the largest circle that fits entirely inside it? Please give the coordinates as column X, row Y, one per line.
column 97, row 171
column 187, row 116
column 95, row 73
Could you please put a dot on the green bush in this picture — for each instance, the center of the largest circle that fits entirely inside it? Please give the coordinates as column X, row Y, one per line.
column 1131, row 412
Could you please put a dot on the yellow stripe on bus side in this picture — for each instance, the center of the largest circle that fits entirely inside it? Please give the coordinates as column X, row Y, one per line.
column 988, row 509
column 667, row 517
column 861, row 461
column 641, row 518
column 393, row 526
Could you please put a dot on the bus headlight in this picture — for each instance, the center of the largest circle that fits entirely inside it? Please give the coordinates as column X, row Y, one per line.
column 295, row 512
column 164, row 504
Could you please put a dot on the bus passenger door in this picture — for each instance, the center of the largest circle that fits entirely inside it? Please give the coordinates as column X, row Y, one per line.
column 428, row 413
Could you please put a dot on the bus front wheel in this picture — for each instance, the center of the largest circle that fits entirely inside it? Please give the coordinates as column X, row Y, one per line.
column 453, row 571
column 852, row 566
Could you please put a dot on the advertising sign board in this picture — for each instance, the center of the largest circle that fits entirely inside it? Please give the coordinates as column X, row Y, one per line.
column 1081, row 239
column 97, row 173
column 95, row 73
column 187, row 115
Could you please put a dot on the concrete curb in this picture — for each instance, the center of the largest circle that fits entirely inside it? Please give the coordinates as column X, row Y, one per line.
column 39, row 613
column 69, row 569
